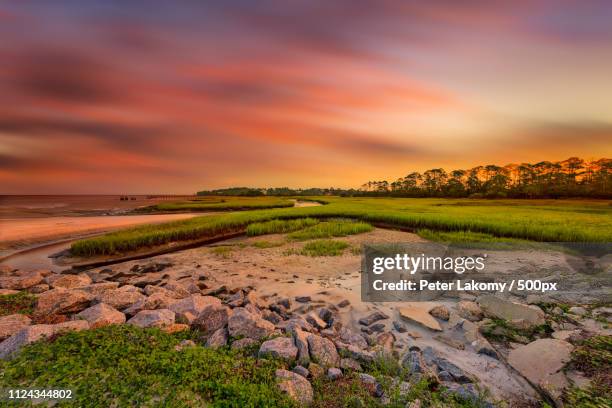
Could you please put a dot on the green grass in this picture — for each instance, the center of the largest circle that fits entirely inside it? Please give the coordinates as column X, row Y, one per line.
column 127, row 366
column 279, row 226
column 267, row 244
column 219, row 204
column 324, row 247
column 536, row 220
column 21, row 302
column 330, row 229
column 223, row 251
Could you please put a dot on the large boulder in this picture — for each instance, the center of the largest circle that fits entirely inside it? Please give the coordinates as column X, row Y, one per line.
column 518, row 315
column 121, row 298
column 541, row 362
column 69, row 281
column 418, row 312
column 295, row 386
column 280, row 347
column 98, row 288
column 212, row 318
column 247, row 324
column 300, row 339
column 11, row 324
column 21, row 281
column 101, row 315
column 157, row 300
column 61, row 301
column 323, row 351
column 151, row 289
column 469, row 310
column 178, row 288
column 153, row 318
column 189, row 308
column 30, row 334
column 372, row 318
column 350, row 337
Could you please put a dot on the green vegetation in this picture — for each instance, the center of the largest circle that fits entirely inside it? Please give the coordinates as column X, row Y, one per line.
column 593, row 356
column 21, row 302
column 502, row 331
column 324, row 247
column 223, row 251
column 279, row 226
column 220, row 204
column 267, row 244
column 127, row 366
column 328, row 229
column 537, row 220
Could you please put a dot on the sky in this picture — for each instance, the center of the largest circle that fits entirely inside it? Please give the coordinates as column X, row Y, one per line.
column 179, row 96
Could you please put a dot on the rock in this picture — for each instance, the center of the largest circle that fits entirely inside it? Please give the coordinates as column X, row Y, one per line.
column 465, row 392
column 69, row 281
column 303, row 299
column 11, row 324
column 334, row 373
column 21, row 282
column 184, row 344
column 564, row 334
column 358, row 354
column 578, row 310
column 518, row 315
column 30, row 334
column 300, row 339
column 469, row 310
column 440, row 312
column 236, row 300
column 344, row 303
column 315, row 321
column 386, row 340
column 120, row 298
column 179, row 290
column 418, row 312
column 212, row 318
column 61, row 301
column 247, row 324
column 350, row 364
column 218, row 339
column 101, row 315
column 99, row 288
column 280, row 347
column 151, row 289
column 271, row 316
column 301, row 371
column 413, row 361
column 153, row 318
column 40, row 288
column 6, row 292
column 286, row 303
column 189, row 308
column 175, row 328
column 315, row 370
column 325, row 314
column 373, row 386
column 350, row 337
column 157, row 300
column 323, row 351
column 295, row 321
column 297, row 387
column 541, row 362
column 252, row 299
column 458, row 375
column 372, row 318
column 242, row 343
column 399, row 326
column 602, row 312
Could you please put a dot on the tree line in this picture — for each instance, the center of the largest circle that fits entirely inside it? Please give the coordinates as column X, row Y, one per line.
column 573, row 177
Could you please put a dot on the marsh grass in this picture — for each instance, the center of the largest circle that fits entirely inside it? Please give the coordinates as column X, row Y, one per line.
column 329, row 229
column 223, row 251
column 279, row 226
column 324, row 247
column 535, row 220
column 219, row 204
column 267, row 244
column 125, row 366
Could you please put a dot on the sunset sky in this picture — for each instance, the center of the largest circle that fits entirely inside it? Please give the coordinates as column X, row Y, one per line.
column 178, row 96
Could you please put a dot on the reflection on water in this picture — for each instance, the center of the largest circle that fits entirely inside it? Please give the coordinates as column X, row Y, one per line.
column 37, row 258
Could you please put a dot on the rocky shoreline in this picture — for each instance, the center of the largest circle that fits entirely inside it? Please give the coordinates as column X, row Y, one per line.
column 308, row 333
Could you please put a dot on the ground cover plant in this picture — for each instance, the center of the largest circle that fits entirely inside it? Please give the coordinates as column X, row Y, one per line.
column 328, row 229
column 538, row 220
column 21, row 302
column 279, row 226
column 220, row 204
column 128, row 366
column 324, row 247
